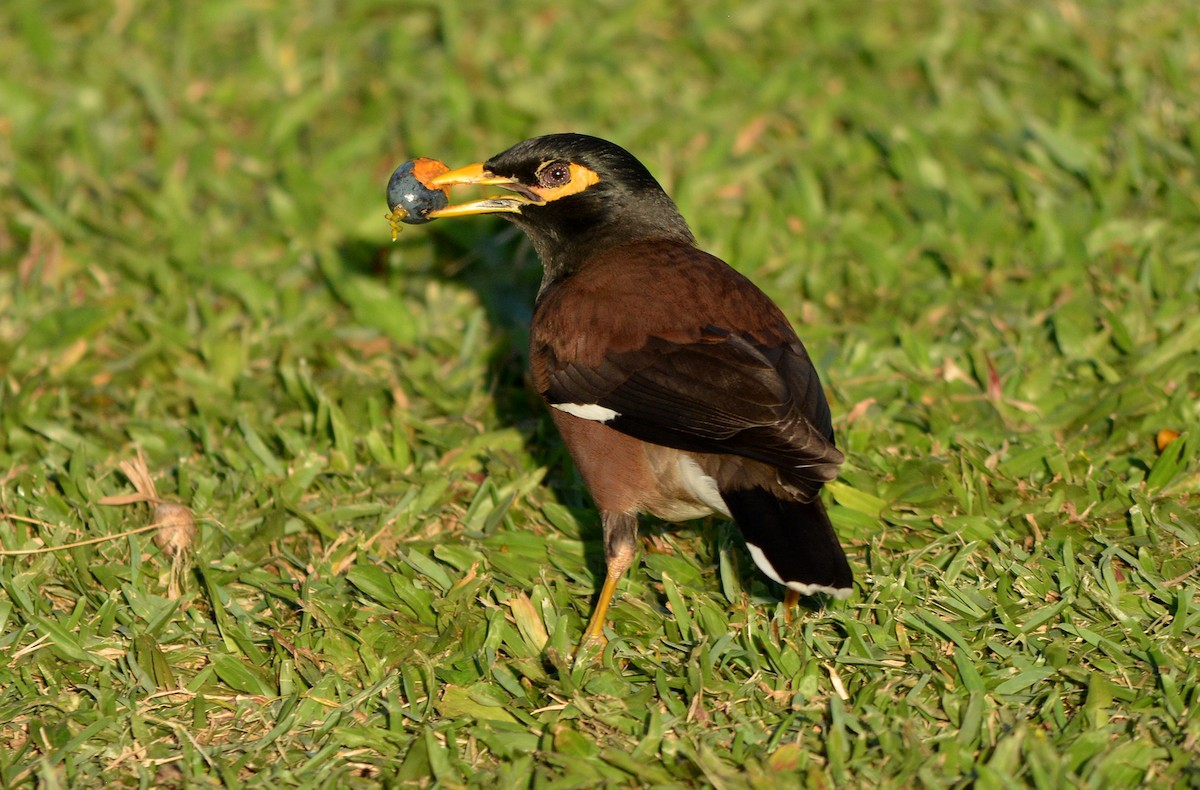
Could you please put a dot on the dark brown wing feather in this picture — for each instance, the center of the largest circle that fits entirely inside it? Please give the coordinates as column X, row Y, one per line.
column 699, row 359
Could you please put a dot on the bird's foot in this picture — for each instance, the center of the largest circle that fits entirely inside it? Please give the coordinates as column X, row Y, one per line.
column 589, row 650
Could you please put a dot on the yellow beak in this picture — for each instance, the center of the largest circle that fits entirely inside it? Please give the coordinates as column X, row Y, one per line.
column 477, row 175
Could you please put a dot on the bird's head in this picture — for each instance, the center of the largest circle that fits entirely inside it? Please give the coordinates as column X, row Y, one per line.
column 573, row 195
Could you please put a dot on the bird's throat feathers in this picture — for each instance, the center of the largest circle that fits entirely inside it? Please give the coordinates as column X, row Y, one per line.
column 567, row 235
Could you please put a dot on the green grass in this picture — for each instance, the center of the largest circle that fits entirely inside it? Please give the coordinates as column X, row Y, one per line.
column 982, row 217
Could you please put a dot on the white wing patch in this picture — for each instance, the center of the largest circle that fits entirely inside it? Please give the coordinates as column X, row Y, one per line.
column 764, row 565
column 587, row 411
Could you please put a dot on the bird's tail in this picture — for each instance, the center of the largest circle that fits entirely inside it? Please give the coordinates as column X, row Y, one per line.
column 792, row 542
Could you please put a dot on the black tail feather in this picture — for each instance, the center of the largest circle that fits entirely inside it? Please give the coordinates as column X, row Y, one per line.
column 792, row 542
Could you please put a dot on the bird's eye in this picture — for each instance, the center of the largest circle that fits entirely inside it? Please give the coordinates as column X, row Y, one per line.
column 555, row 174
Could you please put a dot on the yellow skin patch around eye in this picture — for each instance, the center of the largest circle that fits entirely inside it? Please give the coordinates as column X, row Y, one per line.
column 581, row 179
column 526, row 195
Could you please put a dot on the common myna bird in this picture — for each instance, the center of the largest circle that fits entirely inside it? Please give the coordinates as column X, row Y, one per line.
column 680, row 389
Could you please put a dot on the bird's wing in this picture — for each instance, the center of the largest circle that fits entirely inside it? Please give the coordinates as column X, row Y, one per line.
column 722, row 393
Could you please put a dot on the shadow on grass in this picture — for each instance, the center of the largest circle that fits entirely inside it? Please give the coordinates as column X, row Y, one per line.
column 493, row 260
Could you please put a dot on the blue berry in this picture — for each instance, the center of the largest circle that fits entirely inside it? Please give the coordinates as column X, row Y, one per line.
column 407, row 190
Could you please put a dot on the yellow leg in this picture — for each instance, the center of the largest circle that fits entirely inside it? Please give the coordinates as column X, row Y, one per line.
column 595, row 627
column 790, row 599
column 620, row 532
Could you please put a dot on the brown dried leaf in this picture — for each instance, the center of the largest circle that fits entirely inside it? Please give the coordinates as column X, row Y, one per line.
column 1164, row 438
column 139, row 474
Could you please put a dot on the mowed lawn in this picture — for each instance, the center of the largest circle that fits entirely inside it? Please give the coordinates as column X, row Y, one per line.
column 983, row 219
